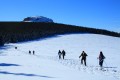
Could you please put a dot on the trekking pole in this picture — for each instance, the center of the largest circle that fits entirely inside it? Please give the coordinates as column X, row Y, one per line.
column 97, row 63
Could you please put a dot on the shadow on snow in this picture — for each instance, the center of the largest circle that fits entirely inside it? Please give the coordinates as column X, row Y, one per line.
column 5, row 46
column 24, row 74
column 7, row 64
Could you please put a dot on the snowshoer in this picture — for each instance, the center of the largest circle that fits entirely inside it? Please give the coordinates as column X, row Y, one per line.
column 83, row 55
column 101, row 58
column 33, row 52
column 29, row 52
column 59, row 54
column 63, row 54
column 15, row 47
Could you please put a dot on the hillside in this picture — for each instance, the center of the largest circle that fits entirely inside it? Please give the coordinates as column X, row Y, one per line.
column 12, row 32
column 45, row 65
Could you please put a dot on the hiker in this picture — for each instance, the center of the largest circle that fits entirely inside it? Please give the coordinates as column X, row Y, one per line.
column 29, row 52
column 101, row 58
column 33, row 52
column 15, row 47
column 63, row 54
column 59, row 54
column 83, row 55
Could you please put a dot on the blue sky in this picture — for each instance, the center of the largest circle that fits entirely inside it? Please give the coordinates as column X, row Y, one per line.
column 103, row 14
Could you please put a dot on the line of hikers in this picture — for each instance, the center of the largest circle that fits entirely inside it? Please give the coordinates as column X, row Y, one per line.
column 61, row 54
column 31, row 52
column 83, row 56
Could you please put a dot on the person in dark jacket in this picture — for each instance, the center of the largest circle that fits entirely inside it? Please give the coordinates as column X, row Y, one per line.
column 15, row 47
column 101, row 58
column 59, row 54
column 63, row 54
column 29, row 52
column 83, row 55
column 33, row 52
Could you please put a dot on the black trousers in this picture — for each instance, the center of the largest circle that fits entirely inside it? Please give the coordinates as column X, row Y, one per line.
column 59, row 56
column 101, row 63
column 63, row 56
column 83, row 60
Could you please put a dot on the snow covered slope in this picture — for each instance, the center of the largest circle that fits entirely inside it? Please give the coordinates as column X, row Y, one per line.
column 45, row 65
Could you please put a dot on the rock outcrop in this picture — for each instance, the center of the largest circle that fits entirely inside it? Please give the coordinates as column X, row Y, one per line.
column 38, row 19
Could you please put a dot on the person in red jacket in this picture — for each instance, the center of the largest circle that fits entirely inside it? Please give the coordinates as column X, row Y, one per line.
column 101, row 58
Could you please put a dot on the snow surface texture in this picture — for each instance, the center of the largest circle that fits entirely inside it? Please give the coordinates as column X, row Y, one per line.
column 45, row 65
column 38, row 19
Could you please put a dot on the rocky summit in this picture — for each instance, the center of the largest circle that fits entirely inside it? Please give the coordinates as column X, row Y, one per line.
column 38, row 19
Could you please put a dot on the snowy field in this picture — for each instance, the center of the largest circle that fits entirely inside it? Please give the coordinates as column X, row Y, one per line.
column 18, row 64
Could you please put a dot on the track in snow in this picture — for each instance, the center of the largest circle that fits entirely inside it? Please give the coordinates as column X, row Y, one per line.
column 75, row 64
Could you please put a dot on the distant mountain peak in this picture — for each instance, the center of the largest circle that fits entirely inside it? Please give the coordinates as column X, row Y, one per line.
column 38, row 19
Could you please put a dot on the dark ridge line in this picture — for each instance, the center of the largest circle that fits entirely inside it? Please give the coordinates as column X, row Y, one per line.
column 13, row 32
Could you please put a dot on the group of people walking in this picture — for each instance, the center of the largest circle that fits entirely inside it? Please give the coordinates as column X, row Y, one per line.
column 32, row 52
column 61, row 53
column 83, row 56
column 101, row 58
